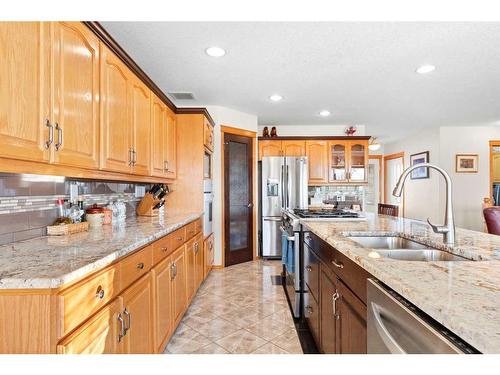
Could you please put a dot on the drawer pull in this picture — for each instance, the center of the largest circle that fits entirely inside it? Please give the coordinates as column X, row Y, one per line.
column 140, row 266
column 337, row 264
column 123, row 331
column 309, row 268
column 164, row 249
column 179, row 239
column 99, row 292
column 129, row 320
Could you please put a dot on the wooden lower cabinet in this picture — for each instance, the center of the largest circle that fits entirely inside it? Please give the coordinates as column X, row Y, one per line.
column 208, row 255
column 179, row 286
column 138, row 316
column 190, row 269
column 328, row 317
column 199, row 268
column 162, row 276
column 99, row 335
column 352, row 322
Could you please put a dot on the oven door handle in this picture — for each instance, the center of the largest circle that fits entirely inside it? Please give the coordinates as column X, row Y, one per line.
column 289, row 238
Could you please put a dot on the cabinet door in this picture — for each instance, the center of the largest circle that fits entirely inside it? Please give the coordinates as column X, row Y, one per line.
column 24, row 90
column 190, row 269
column 98, row 335
column 163, row 303
column 269, row 148
column 159, row 137
column 115, row 114
column 141, row 127
column 294, row 148
column 138, row 316
column 329, row 314
column 179, row 285
column 351, row 336
column 198, row 255
column 208, row 255
column 76, row 95
column 317, row 154
column 358, row 161
column 338, row 161
column 171, row 141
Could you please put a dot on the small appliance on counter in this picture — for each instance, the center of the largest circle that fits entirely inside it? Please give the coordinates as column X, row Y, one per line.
column 153, row 200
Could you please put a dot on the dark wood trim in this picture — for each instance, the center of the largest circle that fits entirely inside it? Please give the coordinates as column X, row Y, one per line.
column 113, row 45
column 310, row 138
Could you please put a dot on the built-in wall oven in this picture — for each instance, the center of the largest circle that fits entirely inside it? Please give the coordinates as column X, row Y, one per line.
column 292, row 261
column 208, row 198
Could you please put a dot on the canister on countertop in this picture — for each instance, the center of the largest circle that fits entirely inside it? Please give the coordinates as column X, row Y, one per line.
column 95, row 216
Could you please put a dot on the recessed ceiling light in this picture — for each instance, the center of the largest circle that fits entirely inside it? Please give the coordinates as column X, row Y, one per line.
column 324, row 113
column 276, row 98
column 215, row 51
column 424, row 69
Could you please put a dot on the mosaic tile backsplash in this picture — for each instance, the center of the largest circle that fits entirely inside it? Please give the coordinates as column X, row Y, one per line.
column 338, row 196
column 28, row 202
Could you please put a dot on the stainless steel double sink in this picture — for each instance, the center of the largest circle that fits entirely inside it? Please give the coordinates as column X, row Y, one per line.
column 396, row 247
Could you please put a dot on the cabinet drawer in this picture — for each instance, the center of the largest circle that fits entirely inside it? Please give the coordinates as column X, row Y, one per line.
column 178, row 238
column 136, row 265
column 190, row 230
column 83, row 299
column 162, row 248
column 348, row 271
column 311, row 271
column 311, row 315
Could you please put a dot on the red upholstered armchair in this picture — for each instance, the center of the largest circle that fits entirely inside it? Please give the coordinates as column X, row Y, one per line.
column 492, row 218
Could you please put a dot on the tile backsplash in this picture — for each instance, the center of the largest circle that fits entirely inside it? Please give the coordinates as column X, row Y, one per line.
column 338, row 196
column 28, row 202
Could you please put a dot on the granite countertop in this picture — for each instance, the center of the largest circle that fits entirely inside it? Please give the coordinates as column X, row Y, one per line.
column 462, row 296
column 50, row 262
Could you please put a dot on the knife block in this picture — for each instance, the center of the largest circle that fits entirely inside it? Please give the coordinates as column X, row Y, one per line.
column 145, row 206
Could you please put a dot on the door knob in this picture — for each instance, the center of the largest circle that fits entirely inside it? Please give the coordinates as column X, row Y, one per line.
column 250, row 205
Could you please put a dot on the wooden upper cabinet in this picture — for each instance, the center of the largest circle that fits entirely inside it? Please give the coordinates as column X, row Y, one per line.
column 24, row 90
column 171, row 144
column 293, row 148
column 338, row 155
column 138, row 317
column 141, row 127
column 269, row 148
column 98, row 335
column 115, row 118
column 208, row 135
column 317, row 154
column 76, row 95
column 158, row 137
column 358, row 161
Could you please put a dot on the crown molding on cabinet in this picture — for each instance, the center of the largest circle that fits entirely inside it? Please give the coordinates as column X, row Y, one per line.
column 312, row 138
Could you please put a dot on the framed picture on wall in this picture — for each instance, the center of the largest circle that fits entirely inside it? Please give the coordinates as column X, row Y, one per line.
column 466, row 163
column 420, row 158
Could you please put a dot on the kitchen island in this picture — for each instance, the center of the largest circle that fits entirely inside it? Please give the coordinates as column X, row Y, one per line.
column 463, row 296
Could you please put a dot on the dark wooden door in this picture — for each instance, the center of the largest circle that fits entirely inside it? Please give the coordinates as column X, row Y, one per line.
column 329, row 318
column 238, row 198
column 351, row 335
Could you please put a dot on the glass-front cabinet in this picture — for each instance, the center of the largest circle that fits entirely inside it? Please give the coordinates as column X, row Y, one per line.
column 348, row 161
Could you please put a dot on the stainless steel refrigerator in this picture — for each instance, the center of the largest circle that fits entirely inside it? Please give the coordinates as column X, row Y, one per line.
column 283, row 187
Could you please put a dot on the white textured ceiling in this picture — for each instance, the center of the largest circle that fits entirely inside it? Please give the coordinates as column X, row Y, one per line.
column 364, row 73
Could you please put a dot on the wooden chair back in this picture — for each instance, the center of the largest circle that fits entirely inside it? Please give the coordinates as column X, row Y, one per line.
column 388, row 209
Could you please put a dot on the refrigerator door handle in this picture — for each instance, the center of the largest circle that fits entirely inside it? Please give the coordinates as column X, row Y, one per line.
column 272, row 219
column 282, row 183
column 288, row 188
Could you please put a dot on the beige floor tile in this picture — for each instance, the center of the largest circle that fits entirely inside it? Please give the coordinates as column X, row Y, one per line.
column 196, row 319
column 269, row 348
column 242, row 318
column 241, row 342
column 186, row 341
column 217, row 328
column 288, row 341
column 211, row 348
column 268, row 329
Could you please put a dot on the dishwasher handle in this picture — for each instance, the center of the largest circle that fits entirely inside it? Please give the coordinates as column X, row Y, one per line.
column 384, row 333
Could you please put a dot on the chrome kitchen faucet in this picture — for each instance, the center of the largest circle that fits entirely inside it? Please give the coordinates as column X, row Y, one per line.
column 448, row 229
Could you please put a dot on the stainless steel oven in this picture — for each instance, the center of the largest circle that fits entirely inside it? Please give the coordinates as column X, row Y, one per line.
column 292, row 261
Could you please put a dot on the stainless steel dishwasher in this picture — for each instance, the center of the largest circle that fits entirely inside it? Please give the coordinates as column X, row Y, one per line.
column 395, row 326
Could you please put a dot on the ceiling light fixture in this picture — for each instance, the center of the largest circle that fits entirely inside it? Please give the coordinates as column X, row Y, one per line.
column 324, row 113
column 424, row 69
column 374, row 145
column 215, row 51
column 275, row 98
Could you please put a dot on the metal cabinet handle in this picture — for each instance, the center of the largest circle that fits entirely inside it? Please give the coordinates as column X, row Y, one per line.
column 122, row 332
column 165, row 165
column 134, row 157
column 179, row 239
column 51, row 133
column 164, row 249
column 59, row 137
column 337, row 264
column 129, row 320
column 140, row 266
column 309, row 310
column 335, row 297
column 196, row 248
column 172, row 271
column 130, row 160
column 99, row 292
column 309, row 268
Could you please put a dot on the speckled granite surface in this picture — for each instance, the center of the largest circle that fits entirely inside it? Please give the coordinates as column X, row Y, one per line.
column 49, row 262
column 463, row 296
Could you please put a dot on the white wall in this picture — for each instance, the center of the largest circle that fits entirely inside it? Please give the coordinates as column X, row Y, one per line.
column 311, row 130
column 236, row 119
column 425, row 198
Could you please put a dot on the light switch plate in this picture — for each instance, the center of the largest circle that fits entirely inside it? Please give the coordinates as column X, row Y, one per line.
column 140, row 191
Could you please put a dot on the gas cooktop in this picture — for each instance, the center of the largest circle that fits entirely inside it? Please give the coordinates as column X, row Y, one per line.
column 325, row 213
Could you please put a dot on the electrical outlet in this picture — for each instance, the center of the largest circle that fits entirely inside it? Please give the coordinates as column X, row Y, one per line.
column 140, row 191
